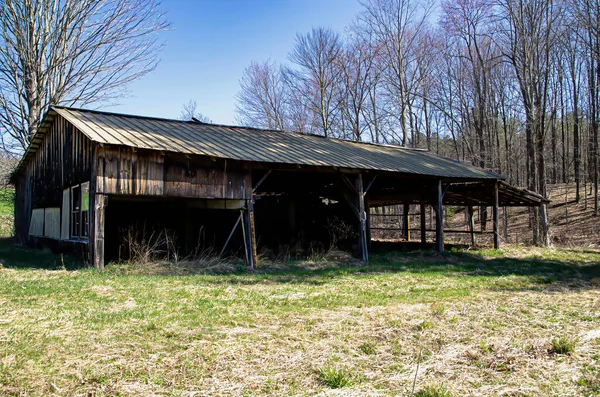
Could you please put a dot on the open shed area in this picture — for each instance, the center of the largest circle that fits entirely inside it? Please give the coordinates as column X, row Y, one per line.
column 94, row 181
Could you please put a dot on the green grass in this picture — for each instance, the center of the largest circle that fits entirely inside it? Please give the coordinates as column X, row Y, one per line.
column 485, row 322
column 7, row 201
column 433, row 391
column 333, row 377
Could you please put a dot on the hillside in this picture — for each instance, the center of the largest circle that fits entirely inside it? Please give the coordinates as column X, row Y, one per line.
column 571, row 224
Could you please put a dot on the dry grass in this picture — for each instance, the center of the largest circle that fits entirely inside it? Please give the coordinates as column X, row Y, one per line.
column 484, row 322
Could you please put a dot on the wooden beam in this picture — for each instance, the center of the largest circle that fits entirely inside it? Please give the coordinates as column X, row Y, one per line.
column 245, row 241
column 239, row 219
column 98, row 238
column 406, row 222
column 370, row 184
column 262, row 180
column 495, row 218
column 348, row 183
column 352, row 203
column 471, row 222
column 251, row 235
column 362, row 233
column 423, row 225
column 505, row 223
column 439, row 226
column 368, row 213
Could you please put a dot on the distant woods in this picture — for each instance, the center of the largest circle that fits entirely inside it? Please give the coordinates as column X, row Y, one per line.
column 69, row 52
column 508, row 85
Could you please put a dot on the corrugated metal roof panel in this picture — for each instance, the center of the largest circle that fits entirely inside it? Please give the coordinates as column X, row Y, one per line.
column 248, row 144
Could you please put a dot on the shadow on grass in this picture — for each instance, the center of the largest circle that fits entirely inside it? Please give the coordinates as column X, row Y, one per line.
column 573, row 269
column 16, row 256
column 564, row 268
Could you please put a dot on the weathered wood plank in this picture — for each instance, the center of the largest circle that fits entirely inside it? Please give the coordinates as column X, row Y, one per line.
column 495, row 218
column 362, row 232
column 471, row 222
column 439, row 224
column 423, row 224
column 406, row 221
column 99, row 225
column 65, row 227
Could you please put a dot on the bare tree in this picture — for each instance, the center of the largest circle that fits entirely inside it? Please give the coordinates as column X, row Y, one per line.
column 469, row 21
column 262, row 98
column 529, row 33
column 317, row 74
column 587, row 12
column 357, row 65
column 189, row 111
column 398, row 25
column 8, row 163
column 70, row 52
column 509, row 85
column 572, row 58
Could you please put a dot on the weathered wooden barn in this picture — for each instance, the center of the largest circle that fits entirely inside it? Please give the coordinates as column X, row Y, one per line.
column 87, row 175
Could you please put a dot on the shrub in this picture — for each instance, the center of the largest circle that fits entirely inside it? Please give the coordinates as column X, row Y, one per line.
column 433, row 391
column 562, row 345
column 368, row 348
column 333, row 377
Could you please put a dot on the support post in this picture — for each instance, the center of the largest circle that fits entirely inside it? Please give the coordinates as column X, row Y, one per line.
column 251, row 234
column 439, row 225
column 98, row 237
column 423, row 224
column 368, row 213
column 505, row 223
column 471, row 222
column 250, row 230
column 362, row 217
column 495, row 217
column 406, row 222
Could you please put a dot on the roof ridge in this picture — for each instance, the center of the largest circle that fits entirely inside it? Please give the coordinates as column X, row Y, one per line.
column 224, row 141
column 195, row 122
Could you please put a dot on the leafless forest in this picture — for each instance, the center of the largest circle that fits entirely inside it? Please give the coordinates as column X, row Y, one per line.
column 508, row 85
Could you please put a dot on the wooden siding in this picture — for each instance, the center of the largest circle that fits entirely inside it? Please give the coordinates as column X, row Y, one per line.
column 126, row 171
column 65, row 229
column 52, row 223
column 62, row 160
column 37, row 222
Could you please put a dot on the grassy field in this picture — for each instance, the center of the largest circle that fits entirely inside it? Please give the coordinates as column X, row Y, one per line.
column 7, row 199
column 483, row 323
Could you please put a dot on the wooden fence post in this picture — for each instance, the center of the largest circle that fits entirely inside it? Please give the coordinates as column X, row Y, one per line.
column 495, row 216
column 439, row 225
column 423, row 224
column 406, row 222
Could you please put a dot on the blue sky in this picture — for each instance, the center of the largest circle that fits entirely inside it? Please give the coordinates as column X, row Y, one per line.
column 210, row 44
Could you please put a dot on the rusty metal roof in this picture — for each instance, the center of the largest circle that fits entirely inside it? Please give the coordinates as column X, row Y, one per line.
column 265, row 146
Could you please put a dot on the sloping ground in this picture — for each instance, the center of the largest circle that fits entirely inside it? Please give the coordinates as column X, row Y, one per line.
column 571, row 224
column 473, row 323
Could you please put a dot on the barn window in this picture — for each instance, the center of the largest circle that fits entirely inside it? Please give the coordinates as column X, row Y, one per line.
column 80, row 210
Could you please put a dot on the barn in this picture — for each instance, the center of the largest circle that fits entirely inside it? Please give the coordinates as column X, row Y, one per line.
column 87, row 176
